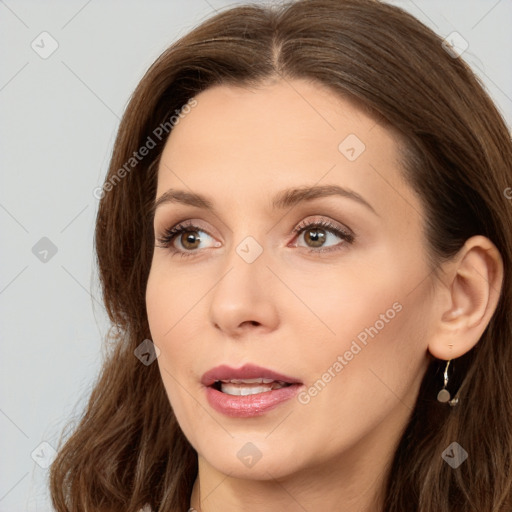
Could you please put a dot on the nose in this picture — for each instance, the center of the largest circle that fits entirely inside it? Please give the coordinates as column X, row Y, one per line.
column 245, row 298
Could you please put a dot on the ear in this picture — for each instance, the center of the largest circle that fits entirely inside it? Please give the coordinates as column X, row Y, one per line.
column 466, row 298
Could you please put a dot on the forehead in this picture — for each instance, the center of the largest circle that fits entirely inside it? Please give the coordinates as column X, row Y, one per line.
column 249, row 142
column 278, row 117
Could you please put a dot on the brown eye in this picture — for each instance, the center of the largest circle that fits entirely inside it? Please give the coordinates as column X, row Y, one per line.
column 319, row 235
column 315, row 237
column 185, row 239
column 190, row 240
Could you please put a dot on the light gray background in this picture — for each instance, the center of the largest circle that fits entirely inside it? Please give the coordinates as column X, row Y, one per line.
column 58, row 121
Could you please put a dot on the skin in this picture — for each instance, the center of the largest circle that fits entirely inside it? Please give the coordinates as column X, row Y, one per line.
column 295, row 311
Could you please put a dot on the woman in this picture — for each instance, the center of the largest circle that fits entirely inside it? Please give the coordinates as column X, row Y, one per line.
column 304, row 242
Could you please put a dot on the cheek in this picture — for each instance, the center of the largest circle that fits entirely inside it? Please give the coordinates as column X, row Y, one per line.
column 165, row 307
column 167, row 302
column 176, row 309
column 170, row 296
column 343, row 301
column 366, row 375
column 370, row 332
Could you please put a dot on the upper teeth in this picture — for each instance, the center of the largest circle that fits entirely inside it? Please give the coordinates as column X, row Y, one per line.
column 249, row 386
column 258, row 380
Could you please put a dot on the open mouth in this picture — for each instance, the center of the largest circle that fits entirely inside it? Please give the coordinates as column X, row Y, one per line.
column 245, row 387
column 247, row 391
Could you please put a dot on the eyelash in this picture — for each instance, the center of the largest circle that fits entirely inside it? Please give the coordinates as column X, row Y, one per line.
column 170, row 234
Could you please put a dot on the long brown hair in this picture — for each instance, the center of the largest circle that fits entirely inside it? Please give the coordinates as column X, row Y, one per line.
column 128, row 448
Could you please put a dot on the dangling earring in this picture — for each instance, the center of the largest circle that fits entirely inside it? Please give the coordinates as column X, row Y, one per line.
column 444, row 395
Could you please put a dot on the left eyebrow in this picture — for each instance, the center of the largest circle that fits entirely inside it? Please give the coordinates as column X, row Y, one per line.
column 284, row 199
column 291, row 197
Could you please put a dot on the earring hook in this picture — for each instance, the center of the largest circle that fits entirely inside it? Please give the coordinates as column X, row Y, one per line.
column 444, row 395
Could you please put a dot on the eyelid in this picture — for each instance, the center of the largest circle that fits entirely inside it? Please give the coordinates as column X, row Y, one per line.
column 326, row 222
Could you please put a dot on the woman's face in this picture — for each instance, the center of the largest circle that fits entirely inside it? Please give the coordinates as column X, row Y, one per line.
column 304, row 256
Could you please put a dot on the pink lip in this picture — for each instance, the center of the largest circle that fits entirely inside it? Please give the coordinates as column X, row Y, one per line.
column 248, row 405
column 247, row 371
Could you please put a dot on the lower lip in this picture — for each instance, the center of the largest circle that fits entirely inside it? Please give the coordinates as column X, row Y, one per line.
column 239, row 406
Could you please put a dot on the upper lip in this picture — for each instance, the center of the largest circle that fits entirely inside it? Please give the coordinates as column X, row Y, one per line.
column 247, row 371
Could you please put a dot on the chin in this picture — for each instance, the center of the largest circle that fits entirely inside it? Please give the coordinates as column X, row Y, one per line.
column 252, row 457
